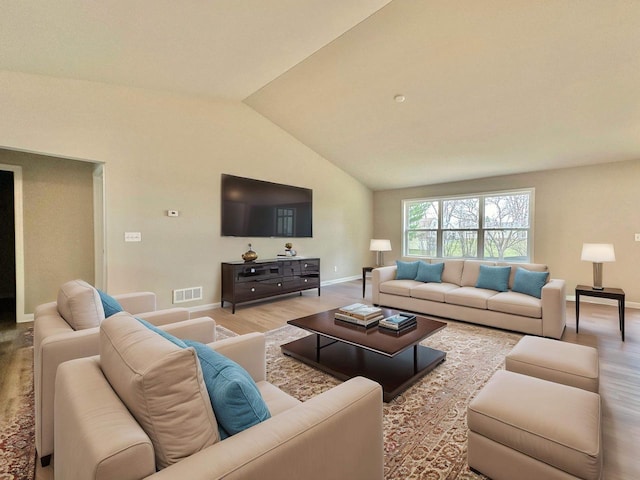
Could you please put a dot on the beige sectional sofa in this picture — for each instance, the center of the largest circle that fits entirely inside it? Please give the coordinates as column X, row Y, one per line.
column 458, row 298
column 142, row 405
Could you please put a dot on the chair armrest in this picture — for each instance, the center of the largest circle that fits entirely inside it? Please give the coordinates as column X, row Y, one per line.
column 95, row 435
column 554, row 308
column 201, row 329
column 378, row 276
column 337, row 434
column 53, row 351
column 249, row 351
column 163, row 317
column 137, row 302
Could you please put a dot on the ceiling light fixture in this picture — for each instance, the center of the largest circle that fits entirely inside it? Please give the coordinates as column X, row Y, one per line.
column 399, row 98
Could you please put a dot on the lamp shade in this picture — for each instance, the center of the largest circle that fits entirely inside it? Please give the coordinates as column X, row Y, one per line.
column 378, row 245
column 598, row 252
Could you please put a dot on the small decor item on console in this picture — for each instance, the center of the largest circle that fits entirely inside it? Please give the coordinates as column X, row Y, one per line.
column 289, row 251
column 249, row 255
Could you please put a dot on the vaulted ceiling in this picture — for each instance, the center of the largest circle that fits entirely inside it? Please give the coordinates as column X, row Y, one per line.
column 490, row 86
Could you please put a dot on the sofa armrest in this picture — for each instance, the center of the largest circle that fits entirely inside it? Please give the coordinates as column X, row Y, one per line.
column 95, row 435
column 378, row 276
column 53, row 351
column 137, row 302
column 247, row 350
column 163, row 317
column 337, row 434
column 201, row 329
column 554, row 308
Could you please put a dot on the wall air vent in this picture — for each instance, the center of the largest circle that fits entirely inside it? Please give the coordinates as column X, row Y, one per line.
column 187, row 294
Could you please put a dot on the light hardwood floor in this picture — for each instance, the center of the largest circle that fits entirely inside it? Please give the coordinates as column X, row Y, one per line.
column 619, row 361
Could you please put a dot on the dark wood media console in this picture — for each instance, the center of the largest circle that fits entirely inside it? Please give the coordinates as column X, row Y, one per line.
column 247, row 281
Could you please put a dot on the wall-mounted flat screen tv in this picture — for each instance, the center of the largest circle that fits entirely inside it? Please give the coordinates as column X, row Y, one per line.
column 255, row 208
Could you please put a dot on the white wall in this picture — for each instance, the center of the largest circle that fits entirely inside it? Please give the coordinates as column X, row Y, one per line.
column 593, row 204
column 163, row 151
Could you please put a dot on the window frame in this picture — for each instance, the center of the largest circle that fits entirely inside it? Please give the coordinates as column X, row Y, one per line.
column 480, row 230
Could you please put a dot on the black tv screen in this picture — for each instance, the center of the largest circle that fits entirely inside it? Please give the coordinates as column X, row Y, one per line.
column 255, row 208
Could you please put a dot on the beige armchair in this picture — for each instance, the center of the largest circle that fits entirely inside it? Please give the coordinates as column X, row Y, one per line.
column 337, row 434
column 69, row 329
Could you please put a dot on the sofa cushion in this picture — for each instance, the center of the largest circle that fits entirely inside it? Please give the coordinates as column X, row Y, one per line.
column 109, row 304
column 162, row 386
column 80, row 305
column 432, row 291
column 516, row 304
column 494, row 278
column 469, row 297
column 277, row 400
column 471, row 272
column 556, row 361
column 406, row 270
column 532, row 267
column 529, row 283
column 399, row 287
column 429, row 272
column 235, row 398
column 452, row 272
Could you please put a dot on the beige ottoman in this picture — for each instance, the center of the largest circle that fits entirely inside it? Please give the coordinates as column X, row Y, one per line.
column 560, row 362
column 530, row 429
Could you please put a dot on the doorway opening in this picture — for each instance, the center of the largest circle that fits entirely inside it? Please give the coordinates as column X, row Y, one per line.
column 7, row 249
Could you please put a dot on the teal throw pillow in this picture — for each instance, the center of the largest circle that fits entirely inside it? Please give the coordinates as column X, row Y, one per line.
column 110, row 305
column 430, row 272
column 529, row 283
column 235, row 397
column 494, row 278
column 406, row 270
column 162, row 333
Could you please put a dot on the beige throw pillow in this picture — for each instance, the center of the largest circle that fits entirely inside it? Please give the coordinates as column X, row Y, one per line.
column 162, row 386
column 80, row 305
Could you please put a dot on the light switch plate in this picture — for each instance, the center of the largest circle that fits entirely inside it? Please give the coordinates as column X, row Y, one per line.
column 132, row 236
column 637, row 237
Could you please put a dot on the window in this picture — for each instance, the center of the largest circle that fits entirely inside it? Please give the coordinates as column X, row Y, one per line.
column 284, row 221
column 492, row 226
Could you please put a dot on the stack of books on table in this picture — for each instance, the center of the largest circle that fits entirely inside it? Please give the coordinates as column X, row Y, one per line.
column 398, row 322
column 360, row 314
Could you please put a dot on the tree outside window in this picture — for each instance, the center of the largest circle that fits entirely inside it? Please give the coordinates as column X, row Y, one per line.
column 493, row 226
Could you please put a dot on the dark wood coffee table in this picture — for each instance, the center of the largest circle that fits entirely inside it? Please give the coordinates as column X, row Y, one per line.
column 396, row 361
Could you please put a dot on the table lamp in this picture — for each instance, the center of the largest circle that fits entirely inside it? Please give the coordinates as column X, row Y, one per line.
column 379, row 246
column 598, row 253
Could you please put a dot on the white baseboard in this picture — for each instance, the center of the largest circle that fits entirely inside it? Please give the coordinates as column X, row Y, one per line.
column 202, row 308
column 602, row 301
column 340, row 280
column 27, row 317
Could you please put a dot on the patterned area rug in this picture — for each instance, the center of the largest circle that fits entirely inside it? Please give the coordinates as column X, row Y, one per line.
column 17, row 435
column 425, row 428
